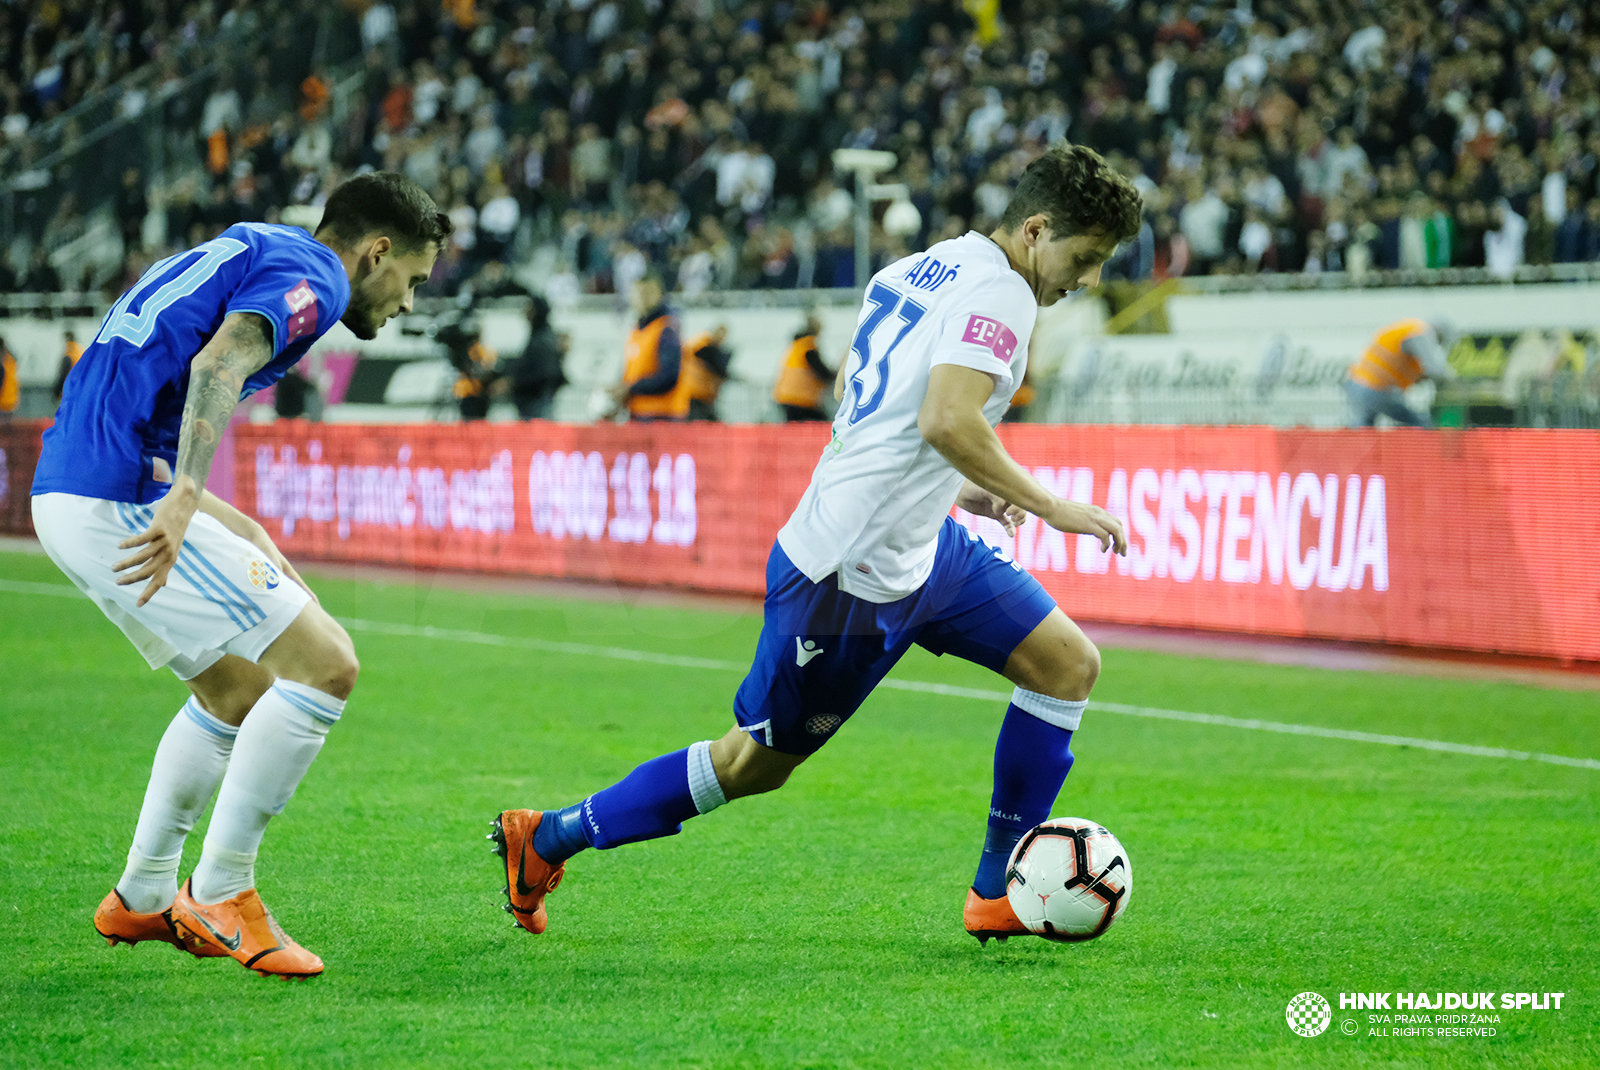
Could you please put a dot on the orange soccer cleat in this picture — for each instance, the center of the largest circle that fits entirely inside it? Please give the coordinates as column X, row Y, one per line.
column 991, row 917
column 120, row 925
column 243, row 928
column 529, row 878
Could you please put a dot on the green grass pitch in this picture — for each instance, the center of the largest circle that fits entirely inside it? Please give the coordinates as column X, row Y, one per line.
column 818, row 926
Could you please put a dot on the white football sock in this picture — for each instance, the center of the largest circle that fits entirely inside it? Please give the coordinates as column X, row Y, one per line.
column 189, row 765
column 276, row 745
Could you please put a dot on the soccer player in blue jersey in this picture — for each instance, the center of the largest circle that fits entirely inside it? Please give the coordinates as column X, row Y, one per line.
column 120, row 505
column 871, row 561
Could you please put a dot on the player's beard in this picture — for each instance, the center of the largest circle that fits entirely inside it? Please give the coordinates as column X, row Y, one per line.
column 362, row 315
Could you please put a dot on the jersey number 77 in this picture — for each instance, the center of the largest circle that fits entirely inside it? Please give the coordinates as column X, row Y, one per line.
column 884, row 301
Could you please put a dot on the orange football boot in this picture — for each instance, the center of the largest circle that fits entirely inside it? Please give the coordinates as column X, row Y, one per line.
column 529, row 878
column 245, row 929
column 991, row 917
column 120, row 925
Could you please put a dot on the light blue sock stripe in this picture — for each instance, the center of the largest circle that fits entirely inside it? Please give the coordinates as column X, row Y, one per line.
column 306, row 706
column 208, row 722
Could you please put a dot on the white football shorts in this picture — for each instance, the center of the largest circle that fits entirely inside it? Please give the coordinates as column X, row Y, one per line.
column 222, row 597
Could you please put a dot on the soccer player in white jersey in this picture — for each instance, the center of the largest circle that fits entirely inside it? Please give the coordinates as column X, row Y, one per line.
column 120, row 505
column 871, row 561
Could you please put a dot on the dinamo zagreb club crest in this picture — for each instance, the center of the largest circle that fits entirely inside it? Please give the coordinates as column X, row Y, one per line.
column 263, row 575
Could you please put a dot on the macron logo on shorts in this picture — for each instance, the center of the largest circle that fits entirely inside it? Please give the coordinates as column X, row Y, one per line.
column 804, row 651
column 302, row 310
column 993, row 336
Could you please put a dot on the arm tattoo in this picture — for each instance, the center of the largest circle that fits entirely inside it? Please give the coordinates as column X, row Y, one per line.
column 240, row 348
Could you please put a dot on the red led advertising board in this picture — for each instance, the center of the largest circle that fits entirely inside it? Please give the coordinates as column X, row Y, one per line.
column 1478, row 540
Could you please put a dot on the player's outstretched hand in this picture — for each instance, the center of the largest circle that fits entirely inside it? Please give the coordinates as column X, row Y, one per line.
column 979, row 502
column 1078, row 518
column 156, row 547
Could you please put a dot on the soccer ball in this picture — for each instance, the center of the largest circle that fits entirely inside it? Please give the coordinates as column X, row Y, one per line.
column 1068, row 879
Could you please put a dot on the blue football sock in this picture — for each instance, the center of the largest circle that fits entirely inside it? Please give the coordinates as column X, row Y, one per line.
column 652, row 801
column 561, row 834
column 1031, row 761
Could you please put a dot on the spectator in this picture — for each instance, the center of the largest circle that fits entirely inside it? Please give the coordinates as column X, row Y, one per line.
column 498, row 217
column 71, row 351
column 1504, row 246
column 485, row 144
column 591, row 167
column 41, row 276
column 1203, row 222
column 538, row 373
column 1569, row 237
column 1347, row 162
column 1539, row 244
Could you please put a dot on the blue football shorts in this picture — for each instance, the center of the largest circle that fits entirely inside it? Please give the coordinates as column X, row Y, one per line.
column 822, row 651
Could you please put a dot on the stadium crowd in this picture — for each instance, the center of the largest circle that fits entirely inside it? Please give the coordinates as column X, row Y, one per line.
column 693, row 137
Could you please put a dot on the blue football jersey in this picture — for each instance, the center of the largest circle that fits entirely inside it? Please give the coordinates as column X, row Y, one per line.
column 123, row 403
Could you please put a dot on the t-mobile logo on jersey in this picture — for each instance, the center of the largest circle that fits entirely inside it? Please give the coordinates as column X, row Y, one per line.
column 993, row 336
column 302, row 310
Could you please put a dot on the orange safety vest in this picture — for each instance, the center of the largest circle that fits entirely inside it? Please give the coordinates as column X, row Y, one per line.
column 702, row 383
column 644, row 357
column 10, row 389
column 467, row 386
column 798, row 385
column 1385, row 366
column 73, row 352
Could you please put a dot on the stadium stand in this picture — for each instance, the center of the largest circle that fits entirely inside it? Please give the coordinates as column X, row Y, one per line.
column 1279, row 136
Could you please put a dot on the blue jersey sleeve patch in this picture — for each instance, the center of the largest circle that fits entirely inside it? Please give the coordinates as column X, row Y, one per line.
column 297, row 283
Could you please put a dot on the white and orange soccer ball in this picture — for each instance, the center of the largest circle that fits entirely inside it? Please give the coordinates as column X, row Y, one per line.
column 1068, row 879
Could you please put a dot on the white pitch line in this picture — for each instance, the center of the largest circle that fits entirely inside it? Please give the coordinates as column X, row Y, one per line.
column 981, row 693
column 56, row 590
column 378, row 627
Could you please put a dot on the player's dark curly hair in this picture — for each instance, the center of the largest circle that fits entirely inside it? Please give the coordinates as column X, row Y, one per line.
column 1079, row 192
column 388, row 203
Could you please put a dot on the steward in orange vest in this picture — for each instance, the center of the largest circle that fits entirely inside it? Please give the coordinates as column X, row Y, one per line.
column 10, row 387
column 803, row 377
column 1398, row 356
column 705, row 368
column 478, row 375
column 652, row 384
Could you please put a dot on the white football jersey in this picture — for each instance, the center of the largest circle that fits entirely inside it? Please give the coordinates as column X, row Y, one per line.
column 880, row 493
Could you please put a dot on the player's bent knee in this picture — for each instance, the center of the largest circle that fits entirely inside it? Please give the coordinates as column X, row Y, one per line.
column 1066, row 668
column 336, row 664
column 745, row 767
column 1086, row 668
column 317, row 652
column 755, row 781
column 341, row 673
